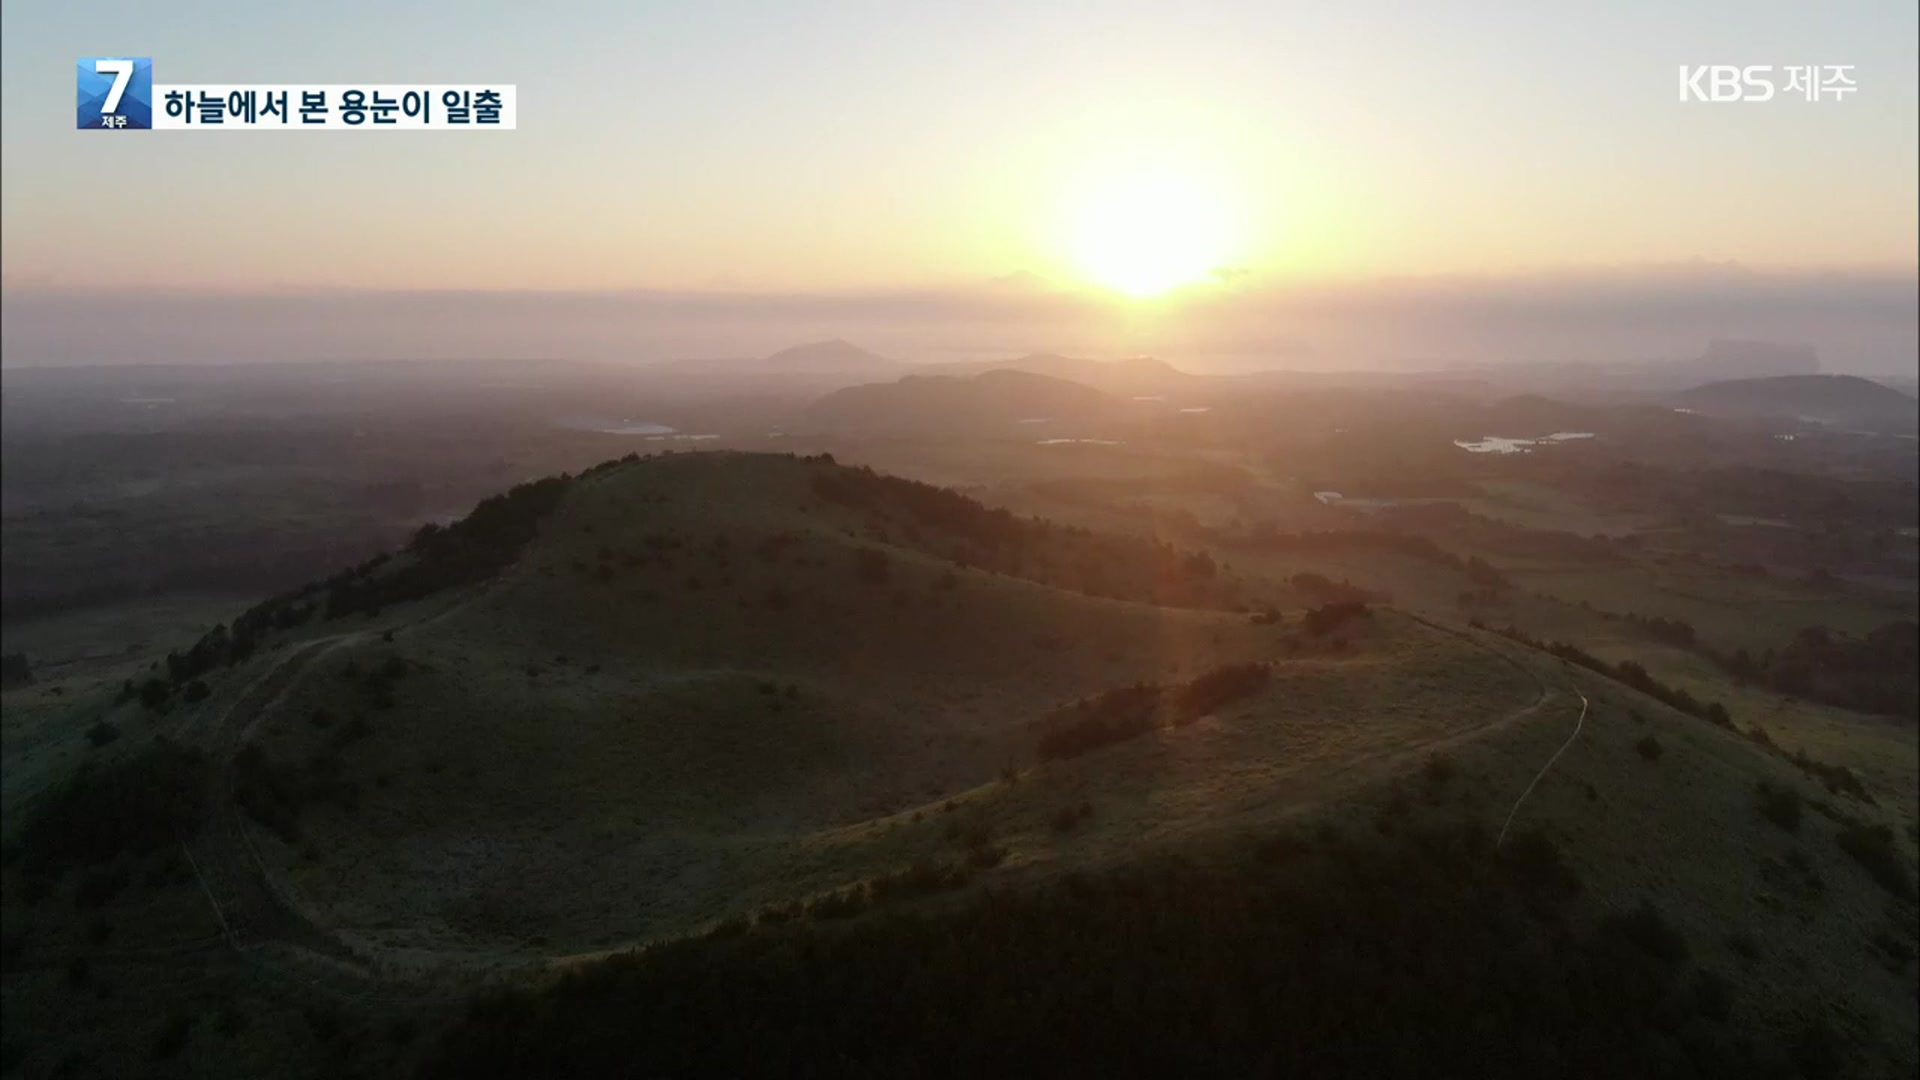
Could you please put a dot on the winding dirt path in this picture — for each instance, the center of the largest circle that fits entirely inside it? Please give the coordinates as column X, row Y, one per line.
column 262, row 916
column 265, row 921
column 1578, row 724
column 250, row 904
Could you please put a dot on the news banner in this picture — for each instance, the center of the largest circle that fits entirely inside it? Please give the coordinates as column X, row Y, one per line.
column 117, row 93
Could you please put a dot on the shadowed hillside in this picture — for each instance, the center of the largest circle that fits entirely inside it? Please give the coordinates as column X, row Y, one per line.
column 792, row 725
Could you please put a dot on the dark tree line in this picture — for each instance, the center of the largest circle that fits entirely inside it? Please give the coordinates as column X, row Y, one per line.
column 1876, row 673
column 1626, row 671
column 1836, row 778
column 937, row 507
column 1321, row 587
column 138, row 804
column 995, row 539
column 1412, row 545
column 1131, row 711
column 477, row 546
column 1329, row 617
column 471, row 549
column 1433, row 956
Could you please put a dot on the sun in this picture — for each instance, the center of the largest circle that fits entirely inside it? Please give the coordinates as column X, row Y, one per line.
column 1146, row 232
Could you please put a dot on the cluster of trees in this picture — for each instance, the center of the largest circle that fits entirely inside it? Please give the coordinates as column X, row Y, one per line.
column 145, row 801
column 1131, row 711
column 1872, row 847
column 1548, row 544
column 1837, row 778
column 471, row 549
column 1329, row 617
column 1676, row 632
column 1877, row 673
column 437, row 558
column 1626, row 671
column 274, row 793
column 1412, row 545
column 1321, row 587
column 1493, row 534
column 935, row 507
column 923, row 877
column 1432, row 955
column 1758, row 492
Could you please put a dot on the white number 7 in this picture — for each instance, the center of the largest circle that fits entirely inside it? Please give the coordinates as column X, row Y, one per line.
column 122, row 72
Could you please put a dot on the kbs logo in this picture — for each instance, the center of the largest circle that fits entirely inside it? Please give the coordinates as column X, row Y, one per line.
column 1755, row 82
column 116, row 92
column 1725, row 82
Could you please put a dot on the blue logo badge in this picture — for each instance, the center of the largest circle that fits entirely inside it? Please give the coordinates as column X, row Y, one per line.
column 116, row 92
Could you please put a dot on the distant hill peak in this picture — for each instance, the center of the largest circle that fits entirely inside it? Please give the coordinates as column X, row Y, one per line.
column 1834, row 386
column 987, row 401
column 836, row 354
column 1736, row 358
column 815, row 359
column 1841, row 399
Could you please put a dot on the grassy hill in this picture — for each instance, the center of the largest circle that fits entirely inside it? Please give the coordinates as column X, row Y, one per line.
column 723, row 708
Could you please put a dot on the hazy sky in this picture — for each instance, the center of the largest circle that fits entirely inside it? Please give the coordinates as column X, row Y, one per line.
column 782, row 147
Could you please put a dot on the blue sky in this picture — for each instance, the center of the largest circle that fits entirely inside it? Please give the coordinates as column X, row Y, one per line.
column 897, row 145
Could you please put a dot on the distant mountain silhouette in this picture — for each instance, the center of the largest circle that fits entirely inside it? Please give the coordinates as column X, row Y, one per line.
column 835, row 357
column 1727, row 358
column 1844, row 400
column 985, row 403
column 1132, row 376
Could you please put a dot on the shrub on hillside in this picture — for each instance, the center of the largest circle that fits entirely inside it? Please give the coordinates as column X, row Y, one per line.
column 871, row 565
column 1648, row 930
column 1103, row 720
column 1331, row 616
column 145, row 801
column 171, row 1036
column 1872, row 847
column 1630, row 673
column 1649, row 748
column 155, row 694
column 843, row 904
column 1118, row 715
column 275, row 794
column 923, row 878
column 1221, row 686
column 1837, row 779
column 1779, row 805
